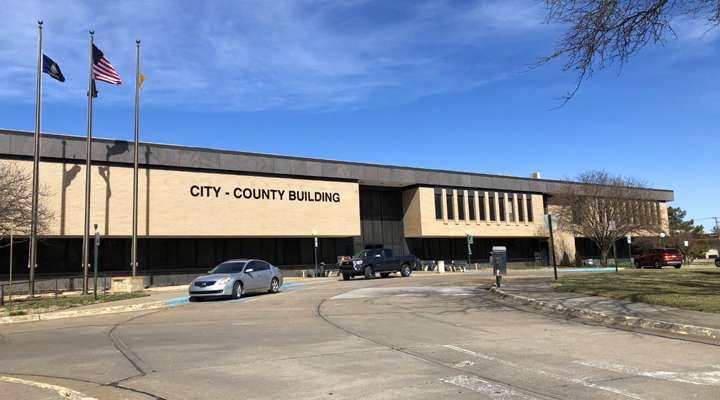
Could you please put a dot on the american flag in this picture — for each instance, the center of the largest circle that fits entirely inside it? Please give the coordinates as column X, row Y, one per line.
column 103, row 70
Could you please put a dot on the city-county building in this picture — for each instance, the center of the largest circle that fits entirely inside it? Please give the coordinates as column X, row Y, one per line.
column 198, row 207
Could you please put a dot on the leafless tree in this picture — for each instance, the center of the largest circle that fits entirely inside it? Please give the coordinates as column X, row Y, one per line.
column 16, row 202
column 605, row 208
column 606, row 32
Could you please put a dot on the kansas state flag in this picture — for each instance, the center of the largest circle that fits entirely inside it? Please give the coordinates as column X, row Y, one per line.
column 51, row 68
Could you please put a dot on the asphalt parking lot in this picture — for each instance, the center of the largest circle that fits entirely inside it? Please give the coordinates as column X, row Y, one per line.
column 423, row 337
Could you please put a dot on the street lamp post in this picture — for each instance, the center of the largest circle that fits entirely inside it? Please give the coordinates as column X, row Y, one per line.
column 10, row 278
column 315, row 240
column 96, row 255
column 469, row 243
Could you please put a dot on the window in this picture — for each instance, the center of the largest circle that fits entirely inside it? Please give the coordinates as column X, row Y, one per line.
column 449, row 202
column 259, row 265
column 438, row 204
column 481, row 205
column 521, row 208
column 387, row 253
column 228, row 268
column 529, row 208
column 501, row 203
column 511, row 207
column 471, row 205
column 491, row 205
column 461, row 204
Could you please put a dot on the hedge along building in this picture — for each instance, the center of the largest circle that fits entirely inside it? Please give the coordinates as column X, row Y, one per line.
column 198, row 207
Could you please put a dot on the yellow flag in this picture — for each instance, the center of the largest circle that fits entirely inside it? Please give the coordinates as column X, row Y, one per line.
column 141, row 80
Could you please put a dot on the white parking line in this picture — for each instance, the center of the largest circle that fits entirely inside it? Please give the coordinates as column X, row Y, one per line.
column 63, row 392
column 577, row 381
column 492, row 390
column 694, row 378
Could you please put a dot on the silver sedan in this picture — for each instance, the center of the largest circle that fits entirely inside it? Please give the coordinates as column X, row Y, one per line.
column 234, row 278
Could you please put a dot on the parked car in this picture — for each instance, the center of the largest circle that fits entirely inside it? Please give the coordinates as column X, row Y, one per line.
column 659, row 258
column 234, row 278
column 369, row 262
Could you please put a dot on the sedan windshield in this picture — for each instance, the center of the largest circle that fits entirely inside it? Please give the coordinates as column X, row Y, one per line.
column 228, row 268
column 361, row 254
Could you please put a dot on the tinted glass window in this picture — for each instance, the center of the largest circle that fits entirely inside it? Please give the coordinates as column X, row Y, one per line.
column 529, row 208
column 481, row 205
column 228, row 268
column 471, row 205
column 521, row 208
column 501, row 203
column 450, row 210
column 438, row 204
column 387, row 253
column 461, row 204
column 491, row 205
column 260, row 265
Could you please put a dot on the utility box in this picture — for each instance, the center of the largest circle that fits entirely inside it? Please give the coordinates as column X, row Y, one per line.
column 127, row 284
column 498, row 259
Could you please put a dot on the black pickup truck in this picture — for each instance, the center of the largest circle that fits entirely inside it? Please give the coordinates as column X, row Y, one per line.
column 369, row 262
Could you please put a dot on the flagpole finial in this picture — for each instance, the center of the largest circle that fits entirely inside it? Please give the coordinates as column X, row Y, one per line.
column 92, row 32
column 137, row 41
column 40, row 22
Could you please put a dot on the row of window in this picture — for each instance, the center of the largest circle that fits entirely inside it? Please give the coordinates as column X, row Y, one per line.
column 631, row 211
column 500, row 205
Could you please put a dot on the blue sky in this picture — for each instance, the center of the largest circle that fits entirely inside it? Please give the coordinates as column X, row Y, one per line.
column 438, row 84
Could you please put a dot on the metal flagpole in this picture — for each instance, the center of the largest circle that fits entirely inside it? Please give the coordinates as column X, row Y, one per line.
column 88, row 157
column 133, row 261
column 32, row 257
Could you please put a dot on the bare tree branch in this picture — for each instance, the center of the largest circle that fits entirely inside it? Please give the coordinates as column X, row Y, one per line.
column 606, row 32
column 16, row 202
column 606, row 208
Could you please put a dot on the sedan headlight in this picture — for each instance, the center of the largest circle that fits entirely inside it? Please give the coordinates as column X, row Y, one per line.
column 357, row 262
column 223, row 281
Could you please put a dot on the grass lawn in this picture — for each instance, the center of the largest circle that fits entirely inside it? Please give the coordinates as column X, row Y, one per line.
column 45, row 304
column 688, row 289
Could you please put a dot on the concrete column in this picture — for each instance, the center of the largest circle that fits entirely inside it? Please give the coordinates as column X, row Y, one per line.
column 525, row 208
column 455, row 206
column 466, row 205
column 443, row 203
column 517, row 210
column 476, row 199
column 497, row 208
column 487, row 207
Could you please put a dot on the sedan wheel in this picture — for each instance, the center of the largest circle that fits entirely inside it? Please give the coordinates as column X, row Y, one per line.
column 657, row 265
column 274, row 285
column 405, row 271
column 237, row 290
column 637, row 265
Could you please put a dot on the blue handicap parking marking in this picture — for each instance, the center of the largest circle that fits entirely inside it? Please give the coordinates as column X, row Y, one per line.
column 177, row 301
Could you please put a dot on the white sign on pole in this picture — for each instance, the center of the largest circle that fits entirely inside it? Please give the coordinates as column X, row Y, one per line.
column 629, row 239
column 686, row 243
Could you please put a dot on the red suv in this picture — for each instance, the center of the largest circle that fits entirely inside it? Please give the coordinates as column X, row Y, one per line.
column 659, row 258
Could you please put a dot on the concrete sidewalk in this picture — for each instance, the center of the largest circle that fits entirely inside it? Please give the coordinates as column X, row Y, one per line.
column 607, row 311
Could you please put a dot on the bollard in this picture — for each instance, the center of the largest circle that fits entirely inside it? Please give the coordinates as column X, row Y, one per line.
column 441, row 266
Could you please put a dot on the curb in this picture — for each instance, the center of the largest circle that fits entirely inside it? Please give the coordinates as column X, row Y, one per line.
column 613, row 319
column 152, row 305
column 83, row 313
